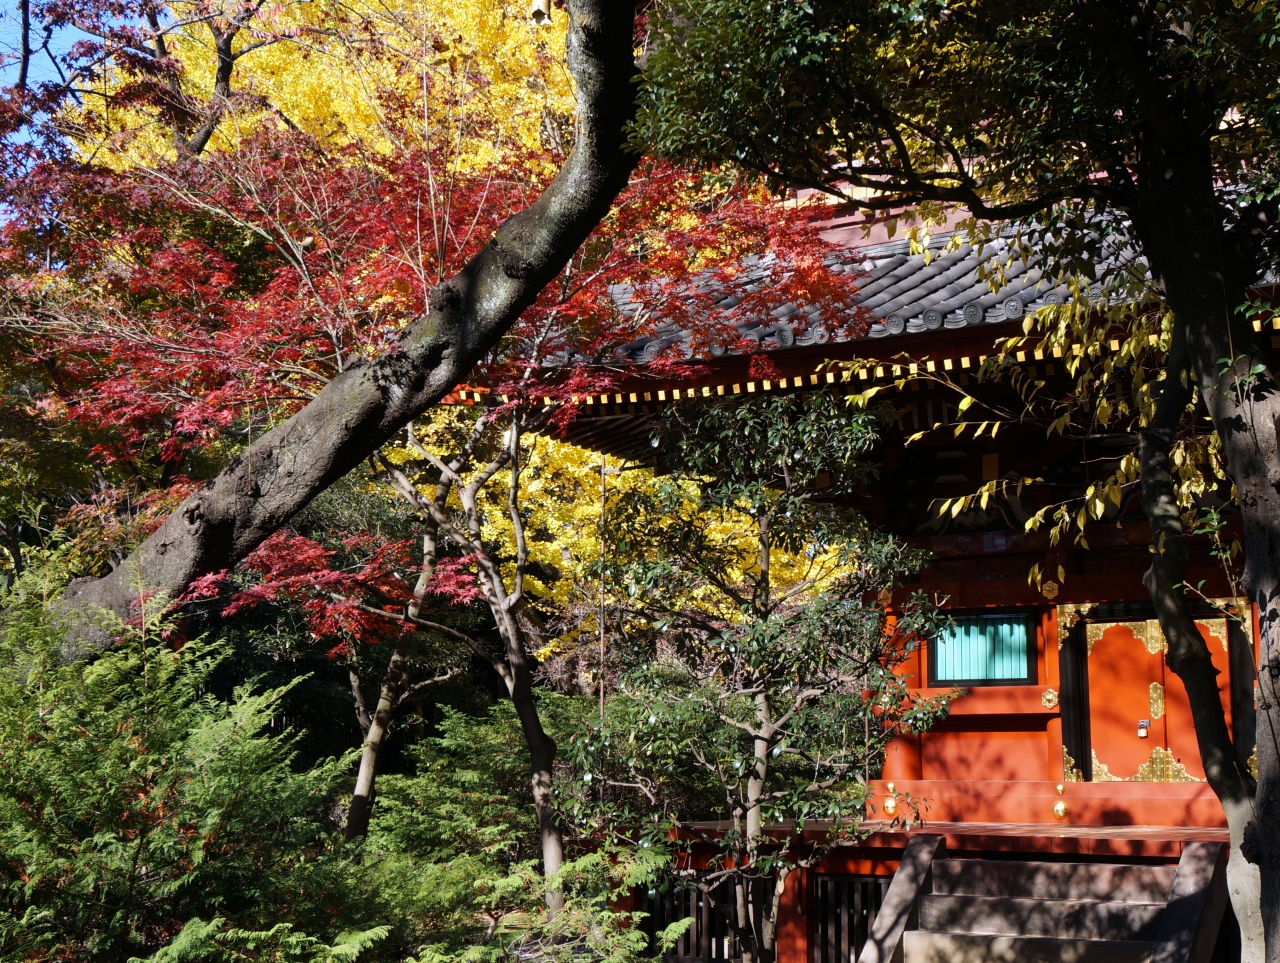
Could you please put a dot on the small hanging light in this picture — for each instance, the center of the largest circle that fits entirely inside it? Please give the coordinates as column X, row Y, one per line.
column 540, row 12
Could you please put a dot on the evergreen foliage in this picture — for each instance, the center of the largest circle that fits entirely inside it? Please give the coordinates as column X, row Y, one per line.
column 138, row 809
column 143, row 816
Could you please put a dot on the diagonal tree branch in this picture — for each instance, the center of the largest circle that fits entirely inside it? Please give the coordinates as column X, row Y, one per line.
column 365, row 405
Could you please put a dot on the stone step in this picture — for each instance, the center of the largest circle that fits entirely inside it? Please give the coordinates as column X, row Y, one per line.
column 920, row 946
column 1031, row 880
column 1067, row 919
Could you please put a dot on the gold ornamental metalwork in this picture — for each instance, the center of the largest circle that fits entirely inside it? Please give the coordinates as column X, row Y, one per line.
column 1067, row 616
column 1155, row 700
column 1069, row 771
column 1049, row 590
column 1100, row 771
column 1162, row 767
column 1252, row 763
column 1218, row 629
column 1093, row 633
column 1049, row 699
column 1060, row 810
column 1146, row 631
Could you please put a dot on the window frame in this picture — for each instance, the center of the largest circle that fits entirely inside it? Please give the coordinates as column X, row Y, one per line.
column 1032, row 677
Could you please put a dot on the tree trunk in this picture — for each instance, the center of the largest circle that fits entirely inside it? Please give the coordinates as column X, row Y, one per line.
column 520, row 666
column 393, row 683
column 12, row 534
column 1181, row 227
column 769, row 925
column 758, row 946
column 1188, row 655
column 542, row 748
column 742, row 905
column 369, row 402
column 542, row 757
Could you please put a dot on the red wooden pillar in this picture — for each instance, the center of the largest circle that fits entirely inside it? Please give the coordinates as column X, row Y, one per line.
column 903, row 759
column 793, row 923
column 1051, row 673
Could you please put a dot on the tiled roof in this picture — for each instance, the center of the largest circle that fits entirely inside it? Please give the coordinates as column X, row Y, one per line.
column 904, row 292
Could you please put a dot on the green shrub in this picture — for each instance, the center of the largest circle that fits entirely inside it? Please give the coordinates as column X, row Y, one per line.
column 134, row 806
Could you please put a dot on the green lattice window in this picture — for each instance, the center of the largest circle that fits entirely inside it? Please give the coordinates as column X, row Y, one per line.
column 996, row 649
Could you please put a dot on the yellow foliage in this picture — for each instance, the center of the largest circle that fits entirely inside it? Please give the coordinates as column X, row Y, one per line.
column 561, row 493
column 481, row 77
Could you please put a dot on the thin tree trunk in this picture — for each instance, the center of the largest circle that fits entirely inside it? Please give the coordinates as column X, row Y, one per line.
column 757, row 947
column 759, row 774
column 216, row 108
column 516, row 622
column 1188, row 655
column 1205, row 283
column 769, row 925
column 393, row 683
column 12, row 534
column 375, row 725
column 542, row 748
column 742, row 900
column 363, row 717
column 24, row 56
column 360, row 409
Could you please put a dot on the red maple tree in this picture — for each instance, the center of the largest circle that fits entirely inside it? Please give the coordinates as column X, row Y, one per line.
column 189, row 305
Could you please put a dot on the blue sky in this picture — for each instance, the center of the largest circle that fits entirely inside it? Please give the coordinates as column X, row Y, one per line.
column 10, row 43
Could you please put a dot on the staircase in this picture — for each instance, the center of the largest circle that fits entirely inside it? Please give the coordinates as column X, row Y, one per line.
column 941, row 910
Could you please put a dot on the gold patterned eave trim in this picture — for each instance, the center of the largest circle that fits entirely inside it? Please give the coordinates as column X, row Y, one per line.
column 1218, row 629
column 1240, row 610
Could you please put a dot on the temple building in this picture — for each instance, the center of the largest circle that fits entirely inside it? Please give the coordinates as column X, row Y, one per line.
column 1065, row 806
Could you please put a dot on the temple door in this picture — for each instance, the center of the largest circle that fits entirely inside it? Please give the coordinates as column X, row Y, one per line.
column 1177, row 707
column 1139, row 716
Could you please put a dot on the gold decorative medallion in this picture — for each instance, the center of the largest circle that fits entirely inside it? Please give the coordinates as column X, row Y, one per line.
column 1162, row 767
column 1069, row 771
column 1049, row 699
column 1155, row 700
column 1049, row 590
column 1100, row 771
column 1060, row 810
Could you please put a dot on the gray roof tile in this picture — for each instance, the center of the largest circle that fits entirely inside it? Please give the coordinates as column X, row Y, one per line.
column 901, row 291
